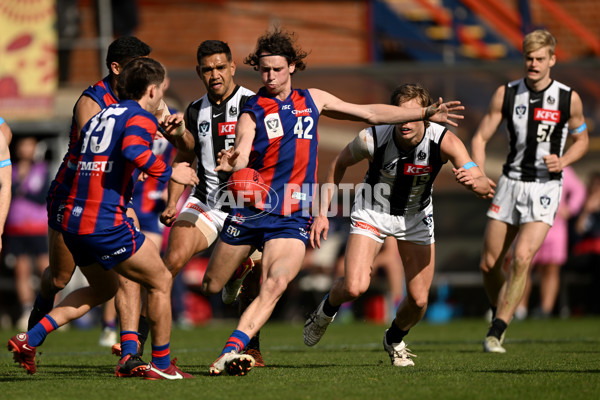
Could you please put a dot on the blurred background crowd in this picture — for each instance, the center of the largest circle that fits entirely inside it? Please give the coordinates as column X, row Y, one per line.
column 50, row 50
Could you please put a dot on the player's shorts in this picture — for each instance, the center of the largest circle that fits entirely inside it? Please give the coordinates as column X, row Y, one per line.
column 255, row 227
column 150, row 222
column 107, row 248
column 518, row 202
column 416, row 228
column 210, row 221
column 19, row 245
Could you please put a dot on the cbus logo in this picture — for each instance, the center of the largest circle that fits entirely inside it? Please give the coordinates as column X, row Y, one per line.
column 226, row 128
column 541, row 114
column 412, row 169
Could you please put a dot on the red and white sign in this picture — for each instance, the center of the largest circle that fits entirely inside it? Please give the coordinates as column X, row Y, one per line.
column 412, row 169
column 541, row 114
column 227, row 128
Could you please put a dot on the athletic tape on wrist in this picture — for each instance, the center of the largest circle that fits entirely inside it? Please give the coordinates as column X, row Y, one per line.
column 470, row 164
column 5, row 163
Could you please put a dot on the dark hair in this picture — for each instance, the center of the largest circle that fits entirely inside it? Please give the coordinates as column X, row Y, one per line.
column 277, row 42
column 210, row 47
column 124, row 49
column 137, row 75
column 409, row 91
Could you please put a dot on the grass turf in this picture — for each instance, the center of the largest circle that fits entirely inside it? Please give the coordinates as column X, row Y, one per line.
column 549, row 359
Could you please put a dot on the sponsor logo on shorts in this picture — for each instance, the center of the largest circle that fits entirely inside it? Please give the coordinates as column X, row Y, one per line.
column 233, row 231
column 541, row 114
column 495, row 208
column 115, row 253
column 366, row 227
column 545, row 201
column 199, row 209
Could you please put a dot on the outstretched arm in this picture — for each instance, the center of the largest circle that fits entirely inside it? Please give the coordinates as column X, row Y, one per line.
column 467, row 172
column 238, row 156
column 377, row 114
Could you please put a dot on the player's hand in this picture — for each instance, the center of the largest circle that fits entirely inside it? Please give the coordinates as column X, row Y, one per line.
column 553, row 163
column 464, row 177
column 227, row 159
column 168, row 216
column 183, row 174
column 319, row 227
column 173, row 126
column 444, row 112
column 142, row 176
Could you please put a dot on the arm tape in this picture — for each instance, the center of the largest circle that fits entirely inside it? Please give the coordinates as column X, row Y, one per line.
column 470, row 164
column 5, row 163
column 582, row 128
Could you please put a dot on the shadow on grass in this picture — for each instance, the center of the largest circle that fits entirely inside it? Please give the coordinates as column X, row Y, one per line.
column 537, row 371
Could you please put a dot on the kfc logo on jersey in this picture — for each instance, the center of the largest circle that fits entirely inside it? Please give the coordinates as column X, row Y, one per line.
column 227, row 128
column 541, row 114
column 411, row 169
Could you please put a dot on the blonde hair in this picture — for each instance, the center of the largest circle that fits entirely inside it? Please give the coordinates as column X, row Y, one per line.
column 537, row 40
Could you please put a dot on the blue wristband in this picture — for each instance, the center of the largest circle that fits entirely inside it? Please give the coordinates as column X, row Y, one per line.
column 1, row 120
column 470, row 164
column 5, row 163
column 579, row 130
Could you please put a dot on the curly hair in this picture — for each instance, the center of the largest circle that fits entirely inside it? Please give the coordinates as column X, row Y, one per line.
column 281, row 43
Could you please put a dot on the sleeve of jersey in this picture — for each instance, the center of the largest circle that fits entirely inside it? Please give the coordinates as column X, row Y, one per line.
column 136, row 148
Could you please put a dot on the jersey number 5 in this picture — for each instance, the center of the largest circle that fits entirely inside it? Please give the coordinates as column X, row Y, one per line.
column 544, row 132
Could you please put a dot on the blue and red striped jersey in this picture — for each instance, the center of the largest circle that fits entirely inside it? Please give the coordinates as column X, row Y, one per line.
column 284, row 150
column 112, row 145
column 147, row 195
column 102, row 93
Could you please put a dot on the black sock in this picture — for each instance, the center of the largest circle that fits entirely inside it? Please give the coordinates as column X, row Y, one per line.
column 497, row 328
column 494, row 308
column 143, row 330
column 395, row 334
column 254, row 342
column 328, row 309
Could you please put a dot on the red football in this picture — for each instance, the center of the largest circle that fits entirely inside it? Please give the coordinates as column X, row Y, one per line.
column 247, row 186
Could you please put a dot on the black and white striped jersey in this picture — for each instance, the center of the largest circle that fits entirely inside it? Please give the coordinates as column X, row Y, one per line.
column 537, row 124
column 213, row 128
column 398, row 182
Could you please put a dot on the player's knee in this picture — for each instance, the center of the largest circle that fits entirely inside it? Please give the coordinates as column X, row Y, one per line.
column 174, row 260
column 274, row 286
column 355, row 289
column 418, row 301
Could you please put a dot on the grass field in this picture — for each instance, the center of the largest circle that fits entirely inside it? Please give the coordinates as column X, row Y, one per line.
column 546, row 359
